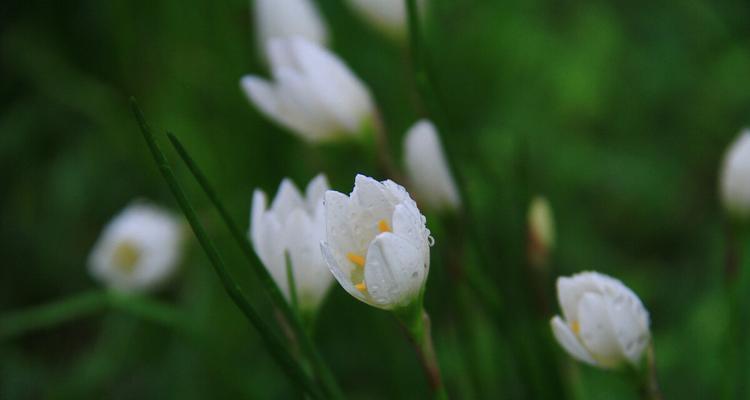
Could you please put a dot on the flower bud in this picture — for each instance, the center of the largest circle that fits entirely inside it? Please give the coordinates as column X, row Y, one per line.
column 388, row 16
column 541, row 232
column 427, row 168
column 735, row 177
column 138, row 250
column 377, row 244
column 287, row 18
column 295, row 226
column 314, row 94
column 604, row 323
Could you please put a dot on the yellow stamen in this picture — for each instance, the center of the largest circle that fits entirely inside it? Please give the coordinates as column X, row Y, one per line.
column 361, row 286
column 383, row 226
column 356, row 259
column 575, row 327
column 126, row 256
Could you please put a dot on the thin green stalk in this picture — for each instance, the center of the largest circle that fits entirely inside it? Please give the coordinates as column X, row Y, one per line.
column 275, row 346
column 737, row 347
column 291, row 283
column 416, row 323
column 51, row 314
column 87, row 303
column 321, row 369
column 649, row 385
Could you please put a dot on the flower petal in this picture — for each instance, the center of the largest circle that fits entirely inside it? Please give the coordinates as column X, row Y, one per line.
column 569, row 341
column 288, row 198
column 311, row 274
column 630, row 322
column 341, row 275
column 395, row 271
column 596, row 331
column 427, row 167
column 315, row 191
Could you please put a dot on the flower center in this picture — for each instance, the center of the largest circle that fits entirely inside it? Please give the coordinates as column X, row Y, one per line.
column 575, row 327
column 126, row 256
column 358, row 275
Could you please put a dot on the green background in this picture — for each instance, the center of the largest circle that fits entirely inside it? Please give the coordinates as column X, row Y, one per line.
column 623, row 109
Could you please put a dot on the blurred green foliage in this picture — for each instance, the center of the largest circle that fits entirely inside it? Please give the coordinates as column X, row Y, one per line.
column 624, row 108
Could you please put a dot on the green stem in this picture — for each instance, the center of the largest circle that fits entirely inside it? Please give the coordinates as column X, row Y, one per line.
column 51, row 314
column 416, row 323
column 276, row 347
column 321, row 369
column 84, row 304
column 649, row 385
column 738, row 295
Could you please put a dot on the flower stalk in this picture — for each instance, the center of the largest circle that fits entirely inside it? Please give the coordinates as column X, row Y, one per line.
column 416, row 323
column 649, row 383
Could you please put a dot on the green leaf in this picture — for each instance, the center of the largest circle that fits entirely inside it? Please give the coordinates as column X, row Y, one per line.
column 321, row 369
column 276, row 347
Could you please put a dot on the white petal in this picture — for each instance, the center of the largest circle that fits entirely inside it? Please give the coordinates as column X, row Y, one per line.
column 571, row 289
column 311, row 274
column 288, row 198
column 596, row 331
column 258, row 208
column 343, row 94
column 569, row 341
column 630, row 322
column 342, row 275
column 155, row 235
column 395, row 271
column 388, row 16
column 409, row 225
column 263, row 95
column 428, row 169
column 302, row 108
column 735, row 177
column 315, row 191
column 285, row 18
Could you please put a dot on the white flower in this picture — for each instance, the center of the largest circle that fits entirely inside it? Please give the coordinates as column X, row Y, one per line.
column 287, row 18
column 388, row 16
column 138, row 250
column 293, row 225
column 604, row 322
column 377, row 244
column 427, row 169
column 735, row 177
column 314, row 95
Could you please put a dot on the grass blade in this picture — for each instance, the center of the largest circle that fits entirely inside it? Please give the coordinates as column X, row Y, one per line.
column 277, row 348
column 321, row 369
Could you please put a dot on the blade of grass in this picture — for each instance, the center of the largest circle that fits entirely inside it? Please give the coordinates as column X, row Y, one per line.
column 292, row 284
column 275, row 346
column 51, row 314
column 321, row 369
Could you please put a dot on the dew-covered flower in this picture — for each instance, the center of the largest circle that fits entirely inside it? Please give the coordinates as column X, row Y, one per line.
column 604, row 323
column 427, row 168
column 287, row 18
column 377, row 244
column 138, row 250
column 388, row 16
column 293, row 225
column 314, row 94
column 735, row 177
column 541, row 228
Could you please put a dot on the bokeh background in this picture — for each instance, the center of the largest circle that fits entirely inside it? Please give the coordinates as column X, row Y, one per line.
column 621, row 112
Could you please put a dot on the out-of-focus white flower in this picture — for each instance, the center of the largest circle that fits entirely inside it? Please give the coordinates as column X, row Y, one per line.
column 293, row 225
column 377, row 244
column 735, row 177
column 605, row 324
column 427, row 169
column 314, row 94
column 541, row 225
column 388, row 16
column 287, row 18
column 138, row 250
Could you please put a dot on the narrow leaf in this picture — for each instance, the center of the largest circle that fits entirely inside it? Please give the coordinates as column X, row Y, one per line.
column 278, row 350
